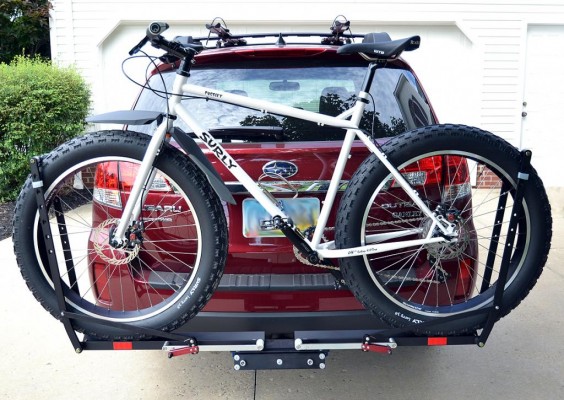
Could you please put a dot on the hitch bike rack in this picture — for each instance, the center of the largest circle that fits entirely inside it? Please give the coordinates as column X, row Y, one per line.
column 251, row 349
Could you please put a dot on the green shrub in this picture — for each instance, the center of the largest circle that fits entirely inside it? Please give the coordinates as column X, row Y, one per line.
column 41, row 106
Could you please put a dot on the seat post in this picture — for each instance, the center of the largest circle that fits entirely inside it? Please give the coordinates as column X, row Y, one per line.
column 369, row 77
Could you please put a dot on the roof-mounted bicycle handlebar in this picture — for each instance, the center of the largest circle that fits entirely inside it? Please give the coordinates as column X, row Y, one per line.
column 174, row 48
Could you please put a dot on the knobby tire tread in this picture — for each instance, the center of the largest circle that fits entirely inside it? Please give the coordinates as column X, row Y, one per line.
column 349, row 208
column 131, row 138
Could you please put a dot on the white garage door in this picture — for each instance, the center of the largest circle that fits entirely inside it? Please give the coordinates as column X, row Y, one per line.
column 544, row 93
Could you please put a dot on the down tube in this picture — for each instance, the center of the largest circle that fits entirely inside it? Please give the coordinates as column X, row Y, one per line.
column 229, row 162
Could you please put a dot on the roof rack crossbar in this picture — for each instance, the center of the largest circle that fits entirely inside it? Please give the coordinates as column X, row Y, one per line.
column 239, row 40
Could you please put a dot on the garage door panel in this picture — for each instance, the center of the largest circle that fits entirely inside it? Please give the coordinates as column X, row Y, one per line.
column 544, row 94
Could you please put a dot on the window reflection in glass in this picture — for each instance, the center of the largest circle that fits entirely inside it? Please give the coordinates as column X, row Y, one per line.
column 396, row 105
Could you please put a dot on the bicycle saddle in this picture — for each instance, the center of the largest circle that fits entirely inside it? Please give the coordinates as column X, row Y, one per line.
column 382, row 49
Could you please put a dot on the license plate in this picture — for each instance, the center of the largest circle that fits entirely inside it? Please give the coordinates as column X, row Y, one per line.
column 303, row 211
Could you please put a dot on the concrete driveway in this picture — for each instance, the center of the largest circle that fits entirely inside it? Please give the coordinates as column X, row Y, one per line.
column 523, row 359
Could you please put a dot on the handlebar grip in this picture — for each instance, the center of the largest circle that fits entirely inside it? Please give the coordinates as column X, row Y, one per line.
column 156, row 28
column 173, row 48
column 153, row 30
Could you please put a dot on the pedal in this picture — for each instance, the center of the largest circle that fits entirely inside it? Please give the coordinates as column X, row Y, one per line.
column 266, row 225
column 274, row 224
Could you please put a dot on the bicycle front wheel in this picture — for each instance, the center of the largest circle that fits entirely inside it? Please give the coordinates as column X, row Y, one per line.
column 469, row 177
column 176, row 250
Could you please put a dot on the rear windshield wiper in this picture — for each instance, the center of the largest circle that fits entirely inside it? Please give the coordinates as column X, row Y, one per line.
column 249, row 133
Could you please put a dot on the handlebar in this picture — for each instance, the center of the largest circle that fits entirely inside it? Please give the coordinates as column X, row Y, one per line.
column 174, row 48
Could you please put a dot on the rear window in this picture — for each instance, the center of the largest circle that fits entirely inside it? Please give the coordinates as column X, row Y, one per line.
column 397, row 103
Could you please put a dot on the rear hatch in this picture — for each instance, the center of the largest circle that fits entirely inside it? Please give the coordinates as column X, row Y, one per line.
column 294, row 160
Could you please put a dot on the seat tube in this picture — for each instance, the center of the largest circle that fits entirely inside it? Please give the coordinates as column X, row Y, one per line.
column 362, row 99
column 344, row 155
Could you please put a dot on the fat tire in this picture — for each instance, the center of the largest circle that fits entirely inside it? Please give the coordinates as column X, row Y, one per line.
column 402, row 149
column 191, row 180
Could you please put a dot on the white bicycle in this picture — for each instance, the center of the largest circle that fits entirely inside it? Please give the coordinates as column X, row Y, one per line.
column 440, row 259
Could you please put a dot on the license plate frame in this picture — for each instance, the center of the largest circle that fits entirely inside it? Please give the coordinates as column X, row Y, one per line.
column 304, row 212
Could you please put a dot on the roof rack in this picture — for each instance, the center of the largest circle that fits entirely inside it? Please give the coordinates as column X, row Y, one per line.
column 339, row 35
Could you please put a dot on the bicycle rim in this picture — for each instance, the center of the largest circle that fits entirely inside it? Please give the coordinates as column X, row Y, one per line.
column 125, row 285
column 445, row 279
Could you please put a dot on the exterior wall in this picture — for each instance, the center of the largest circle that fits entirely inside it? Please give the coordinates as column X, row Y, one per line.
column 471, row 61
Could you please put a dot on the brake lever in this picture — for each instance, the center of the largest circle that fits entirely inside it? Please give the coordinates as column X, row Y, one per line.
column 139, row 45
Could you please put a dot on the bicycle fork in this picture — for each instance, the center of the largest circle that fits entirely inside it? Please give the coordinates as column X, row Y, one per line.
column 143, row 181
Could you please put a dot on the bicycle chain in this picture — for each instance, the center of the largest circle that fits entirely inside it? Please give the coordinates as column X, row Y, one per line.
column 300, row 258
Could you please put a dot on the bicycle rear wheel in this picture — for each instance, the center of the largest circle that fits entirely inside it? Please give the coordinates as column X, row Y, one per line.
column 177, row 250
column 469, row 177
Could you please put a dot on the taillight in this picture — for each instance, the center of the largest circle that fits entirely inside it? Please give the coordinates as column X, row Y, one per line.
column 106, row 185
column 465, row 279
column 128, row 173
column 450, row 171
column 456, row 179
column 423, row 172
column 112, row 178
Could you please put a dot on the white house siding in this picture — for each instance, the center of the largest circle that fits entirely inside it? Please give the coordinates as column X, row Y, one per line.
column 472, row 60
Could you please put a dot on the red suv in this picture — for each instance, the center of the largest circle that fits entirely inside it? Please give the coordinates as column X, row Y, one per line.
column 266, row 285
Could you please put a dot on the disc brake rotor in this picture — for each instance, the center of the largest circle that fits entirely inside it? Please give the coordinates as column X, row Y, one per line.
column 111, row 255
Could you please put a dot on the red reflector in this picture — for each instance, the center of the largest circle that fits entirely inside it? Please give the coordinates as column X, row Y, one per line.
column 437, row 341
column 123, row 346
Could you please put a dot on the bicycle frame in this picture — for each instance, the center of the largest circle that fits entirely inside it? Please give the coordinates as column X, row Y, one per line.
column 348, row 120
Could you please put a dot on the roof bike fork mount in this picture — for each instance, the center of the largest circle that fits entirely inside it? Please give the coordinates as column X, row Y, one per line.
column 382, row 341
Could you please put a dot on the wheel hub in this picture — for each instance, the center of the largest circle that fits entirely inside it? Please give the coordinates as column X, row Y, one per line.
column 455, row 246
